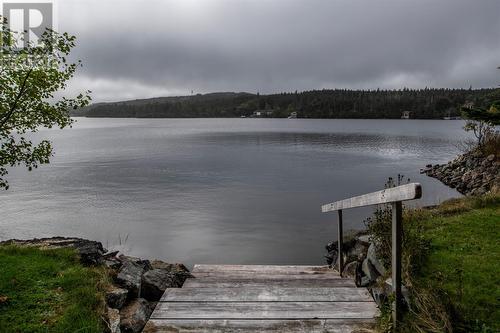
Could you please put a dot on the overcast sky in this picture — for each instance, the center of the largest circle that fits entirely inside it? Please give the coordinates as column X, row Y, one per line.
column 139, row 49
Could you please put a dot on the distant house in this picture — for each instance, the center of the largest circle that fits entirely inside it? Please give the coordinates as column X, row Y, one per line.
column 406, row 115
column 262, row 113
column 468, row 105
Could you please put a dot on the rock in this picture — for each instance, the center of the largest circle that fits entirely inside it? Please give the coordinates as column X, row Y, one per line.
column 369, row 270
column 112, row 254
column 354, row 250
column 404, row 290
column 134, row 316
column 90, row 251
column 116, row 297
column 365, row 281
column 364, row 239
column 129, row 277
column 371, row 255
column 143, row 263
column 112, row 263
column 332, row 255
column 350, row 269
column 176, row 268
column 181, row 273
column 155, row 281
column 358, row 278
column 113, row 320
column 481, row 191
column 381, row 292
column 380, row 295
column 331, row 258
column 470, row 173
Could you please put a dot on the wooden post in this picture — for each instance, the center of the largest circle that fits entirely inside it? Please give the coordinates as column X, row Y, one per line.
column 397, row 233
column 340, row 243
column 394, row 196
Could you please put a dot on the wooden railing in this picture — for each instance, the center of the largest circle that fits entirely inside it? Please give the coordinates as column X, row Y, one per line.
column 394, row 196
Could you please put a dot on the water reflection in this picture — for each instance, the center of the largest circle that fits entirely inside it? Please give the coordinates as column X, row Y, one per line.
column 217, row 190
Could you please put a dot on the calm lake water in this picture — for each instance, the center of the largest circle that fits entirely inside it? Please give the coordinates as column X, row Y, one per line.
column 218, row 190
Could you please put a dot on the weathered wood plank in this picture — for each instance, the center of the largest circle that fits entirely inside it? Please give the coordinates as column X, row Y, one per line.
column 267, row 294
column 261, row 298
column 263, row 276
column 399, row 193
column 263, row 326
column 254, row 283
column 264, row 310
column 267, row 269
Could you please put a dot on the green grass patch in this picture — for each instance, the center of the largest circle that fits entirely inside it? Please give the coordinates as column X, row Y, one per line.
column 451, row 265
column 464, row 261
column 49, row 291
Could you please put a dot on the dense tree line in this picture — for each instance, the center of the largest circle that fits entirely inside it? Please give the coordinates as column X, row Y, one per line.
column 422, row 104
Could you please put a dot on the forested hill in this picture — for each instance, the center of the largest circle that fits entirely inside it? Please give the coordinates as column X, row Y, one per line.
column 423, row 104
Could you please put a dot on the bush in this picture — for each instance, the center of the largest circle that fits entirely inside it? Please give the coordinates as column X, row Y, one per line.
column 491, row 144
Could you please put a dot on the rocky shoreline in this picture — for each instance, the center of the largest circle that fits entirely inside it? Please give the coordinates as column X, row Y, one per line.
column 138, row 284
column 470, row 173
column 363, row 265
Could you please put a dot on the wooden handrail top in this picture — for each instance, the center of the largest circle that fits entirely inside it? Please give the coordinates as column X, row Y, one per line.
column 393, row 194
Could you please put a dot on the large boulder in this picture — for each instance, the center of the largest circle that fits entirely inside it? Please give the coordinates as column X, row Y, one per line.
column 90, row 251
column 354, row 250
column 404, row 290
column 365, row 239
column 360, row 279
column 332, row 253
column 129, row 277
column 116, row 297
column 141, row 262
column 179, row 270
column 380, row 294
column 135, row 315
column 350, row 269
column 155, row 281
column 111, row 260
column 174, row 268
column 371, row 255
column 369, row 271
column 113, row 320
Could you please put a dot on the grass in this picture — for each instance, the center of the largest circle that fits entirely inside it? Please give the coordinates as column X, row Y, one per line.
column 451, row 264
column 464, row 260
column 49, row 291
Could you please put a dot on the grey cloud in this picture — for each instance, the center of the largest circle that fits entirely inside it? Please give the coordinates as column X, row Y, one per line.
column 175, row 46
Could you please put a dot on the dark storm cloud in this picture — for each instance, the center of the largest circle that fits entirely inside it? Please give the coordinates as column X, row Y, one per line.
column 146, row 48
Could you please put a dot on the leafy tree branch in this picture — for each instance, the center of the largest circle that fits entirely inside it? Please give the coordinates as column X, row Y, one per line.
column 30, row 77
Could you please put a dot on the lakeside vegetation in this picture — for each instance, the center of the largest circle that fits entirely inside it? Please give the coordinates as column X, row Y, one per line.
column 450, row 256
column 49, row 291
column 450, row 266
column 340, row 103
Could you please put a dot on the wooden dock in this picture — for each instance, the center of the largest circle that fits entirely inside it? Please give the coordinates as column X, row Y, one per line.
column 257, row 298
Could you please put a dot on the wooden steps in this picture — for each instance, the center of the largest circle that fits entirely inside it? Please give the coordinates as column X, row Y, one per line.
column 257, row 298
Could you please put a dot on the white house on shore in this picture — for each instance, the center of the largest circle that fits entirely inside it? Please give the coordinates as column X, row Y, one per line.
column 262, row 113
column 406, row 115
